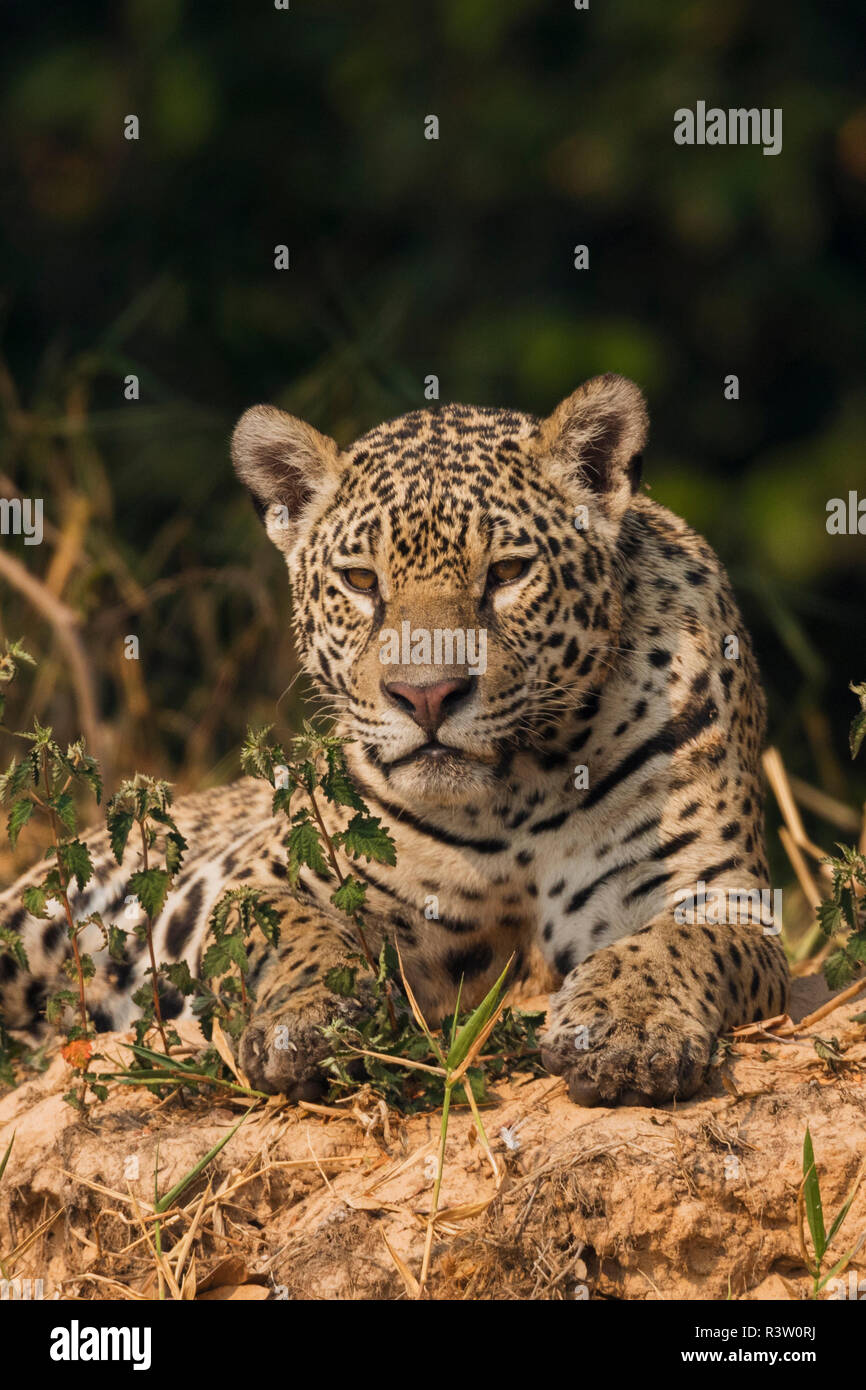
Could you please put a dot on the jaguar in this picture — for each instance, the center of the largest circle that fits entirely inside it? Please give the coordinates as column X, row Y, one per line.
column 552, row 806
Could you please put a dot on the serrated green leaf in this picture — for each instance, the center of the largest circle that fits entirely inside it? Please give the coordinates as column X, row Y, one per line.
column 350, row 896
column 258, row 757
column 119, row 824
column 34, row 899
column 175, row 845
column 838, row 971
column 17, row 777
column 389, row 963
column 267, row 919
column 366, row 836
column 117, row 944
column 858, row 725
column 178, row 973
column 64, row 808
column 12, row 944
column 221, row 955
column 62, row 999
column 151, row 887
column 830, row 917
column 857, row 733
column 283, row 799
column 341, row 980
column 337, row 783
column 20, row 814
column 849, row 906
column 304, row 844
column 220, row 914
column 74, row 858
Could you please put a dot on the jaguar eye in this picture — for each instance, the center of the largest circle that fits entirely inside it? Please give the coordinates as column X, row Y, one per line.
column 362, row 580
column 506, row 571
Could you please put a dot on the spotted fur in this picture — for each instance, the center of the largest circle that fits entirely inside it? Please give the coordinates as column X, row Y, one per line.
column 611, row 651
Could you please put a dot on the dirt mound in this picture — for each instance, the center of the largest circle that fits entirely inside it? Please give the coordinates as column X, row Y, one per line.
column 696, row 1201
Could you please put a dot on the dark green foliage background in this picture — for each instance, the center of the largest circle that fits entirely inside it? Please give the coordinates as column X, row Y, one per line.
column 412, row 257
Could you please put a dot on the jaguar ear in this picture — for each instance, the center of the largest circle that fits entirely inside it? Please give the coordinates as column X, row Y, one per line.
column 594, row 438
column 285, row 464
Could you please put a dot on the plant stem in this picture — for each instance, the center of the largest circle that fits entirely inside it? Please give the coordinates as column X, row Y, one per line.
column 149, row 928
column 356, row 916
column 440, row 1168
column 52, row 820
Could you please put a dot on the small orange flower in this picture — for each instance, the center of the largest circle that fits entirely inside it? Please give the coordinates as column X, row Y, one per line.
column 77, row 1053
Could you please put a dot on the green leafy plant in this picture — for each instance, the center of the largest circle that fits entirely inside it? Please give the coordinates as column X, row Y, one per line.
column 843, row 911
column 371, row 1049
column 43, row 783
column 225, row 963
column 387, row 1048
column 12, row 658
column 157, row 1072
column 384, row 1046
column 317, row 768
column 143, row 804
column 810, row 1208
column 162, row 1205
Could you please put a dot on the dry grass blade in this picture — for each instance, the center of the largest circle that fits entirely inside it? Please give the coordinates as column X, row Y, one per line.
column 221, row 1043
column 416, row 1010
column 188, row 1239
column 413, row 1288
column 847, row 994
column 235, row 1293
column 164, row 1273
column 778, row 780
column 464, row 1211
column 482, row 1133
column 409, row 1161
column 24, row 1245
column 828, row 807
column 809, row 888
column 188, row 1287
column 123, row 1289
column 106, row 1191
column 398, row 1061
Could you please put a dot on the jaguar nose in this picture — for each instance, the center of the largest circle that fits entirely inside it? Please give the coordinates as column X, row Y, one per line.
column 430, row 705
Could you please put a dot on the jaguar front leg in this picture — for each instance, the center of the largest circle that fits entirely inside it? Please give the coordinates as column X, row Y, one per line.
column 636, row 1022
column 282, row 1048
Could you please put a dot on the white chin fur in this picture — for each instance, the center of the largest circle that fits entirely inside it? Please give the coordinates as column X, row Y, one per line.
column 451, row 782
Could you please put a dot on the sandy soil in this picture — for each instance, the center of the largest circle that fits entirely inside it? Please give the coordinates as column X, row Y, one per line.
column 695, row 1201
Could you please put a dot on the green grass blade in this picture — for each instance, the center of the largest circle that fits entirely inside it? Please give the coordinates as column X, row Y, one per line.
column 812, row 1197
column 5, row 1158
column 474, row 1024
column 163, row 1203
column 840, row 1264
column 840, row 1215
column 456, row 1013
column 159, row 1059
